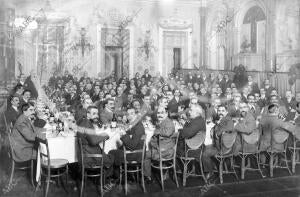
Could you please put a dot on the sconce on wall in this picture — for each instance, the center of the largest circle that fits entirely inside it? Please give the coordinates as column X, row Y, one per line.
column 83, row 43
column 147, row 47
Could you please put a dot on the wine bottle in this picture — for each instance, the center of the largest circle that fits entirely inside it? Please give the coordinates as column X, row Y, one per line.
column 114, row 121
column 60, row 126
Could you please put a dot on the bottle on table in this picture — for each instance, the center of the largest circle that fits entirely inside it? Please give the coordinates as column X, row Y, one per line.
column 60, row 125
column 113, row 123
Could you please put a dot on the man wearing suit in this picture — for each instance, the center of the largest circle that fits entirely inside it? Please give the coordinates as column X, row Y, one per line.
column 165, row 129
column 25, row 98
column 254, row 109
column 28, row 84
column 221, row 81
column 24, row 135
column 81, row 113
column 106, row 115
column 289, row 101
column 212, row 112
column 174, row 102
column 91, row 141
column 294, row 116
column 131, row 139
column 67, row 77
column 224, row 124
column 268, row 88
column 228, row 81
column 233, row 108
column 252, row 84
column 147, row 107
column 146, row 75
column 12, row 112
column 244, row 125
column 195, row 125
column 270, row 122
column 71, row 98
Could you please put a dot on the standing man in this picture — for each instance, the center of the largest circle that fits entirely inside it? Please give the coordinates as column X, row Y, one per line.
column 28, row 84
column 12, row 112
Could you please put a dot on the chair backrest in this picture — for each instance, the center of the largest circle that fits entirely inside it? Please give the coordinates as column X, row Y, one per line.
column 279, row 137
column 84, row 156
column 44, row 151
column 10, row 153
column 196, row 141
column 226, row 141
column 7, row 127
column 296, row 142
column 174, row 136
column 142, row 151
column 252, row 138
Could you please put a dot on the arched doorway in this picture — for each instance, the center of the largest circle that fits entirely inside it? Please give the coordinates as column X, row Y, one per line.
column 251, row 44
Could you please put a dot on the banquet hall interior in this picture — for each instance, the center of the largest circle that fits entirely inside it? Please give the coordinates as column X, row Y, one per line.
column 149, row 98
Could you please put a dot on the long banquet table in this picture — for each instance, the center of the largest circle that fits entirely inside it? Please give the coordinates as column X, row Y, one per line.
column 64, row 145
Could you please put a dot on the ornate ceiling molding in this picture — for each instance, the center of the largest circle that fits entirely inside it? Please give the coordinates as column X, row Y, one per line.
column 175, row 23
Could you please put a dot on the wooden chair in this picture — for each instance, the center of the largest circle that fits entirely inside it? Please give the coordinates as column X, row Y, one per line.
column 96, row 169
column 18, row 165
column 226, row 142
column 49, row 165
column 192, row 144
column 295, row 149
column 166, row 163
column 278, row 146
column 250, row 149
column 138, row 164
column 7, row 127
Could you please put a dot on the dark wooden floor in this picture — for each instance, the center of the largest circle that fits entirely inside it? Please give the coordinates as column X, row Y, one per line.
column 282, row 184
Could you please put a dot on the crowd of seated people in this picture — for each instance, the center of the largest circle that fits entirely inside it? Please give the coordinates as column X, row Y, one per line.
column 192, row 100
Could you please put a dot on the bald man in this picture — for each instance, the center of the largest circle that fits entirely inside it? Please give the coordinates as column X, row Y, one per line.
column 194, row 125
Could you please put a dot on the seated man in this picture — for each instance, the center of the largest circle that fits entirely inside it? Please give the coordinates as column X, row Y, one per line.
column 25, row 98
column 24, row 135
column 91, row 141
column 80, row 113
column 131, row 139
column 245, row 125
column 107, row 113
column 224, row 124
column 271, row 122
column 190, row 129
column 165, row 129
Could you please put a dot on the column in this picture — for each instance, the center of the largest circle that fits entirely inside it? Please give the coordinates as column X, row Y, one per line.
column 203, row 18
column 270, row 39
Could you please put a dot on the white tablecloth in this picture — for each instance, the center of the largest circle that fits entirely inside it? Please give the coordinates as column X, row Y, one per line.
column 208, row 139
column 60, row 147
column 114, row 138
column 64, row 146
